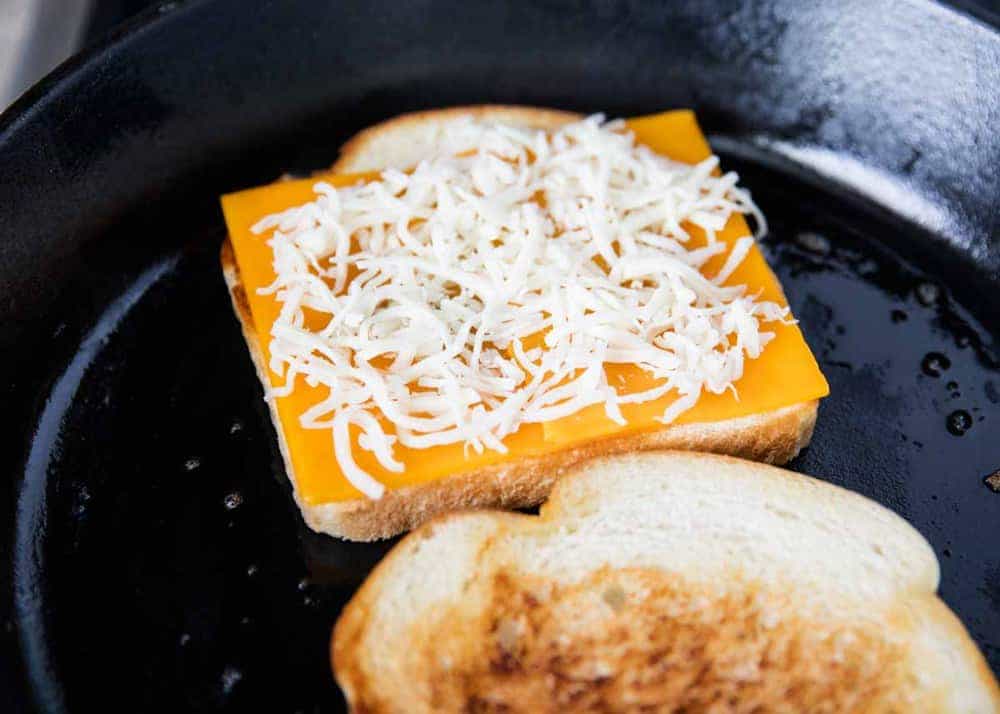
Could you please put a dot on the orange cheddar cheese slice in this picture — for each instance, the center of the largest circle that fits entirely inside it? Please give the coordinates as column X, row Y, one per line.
column 785, row 374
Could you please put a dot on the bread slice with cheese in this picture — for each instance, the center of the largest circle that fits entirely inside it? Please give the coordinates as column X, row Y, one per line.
column 773, row 435
column 666, row 582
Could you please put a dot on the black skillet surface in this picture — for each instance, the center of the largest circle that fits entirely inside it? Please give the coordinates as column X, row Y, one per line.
column 154, row 558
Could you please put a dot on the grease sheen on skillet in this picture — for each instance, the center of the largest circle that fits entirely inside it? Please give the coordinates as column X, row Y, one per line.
column 160, row 563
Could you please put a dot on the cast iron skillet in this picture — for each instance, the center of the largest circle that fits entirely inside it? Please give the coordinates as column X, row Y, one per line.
column 154, row 558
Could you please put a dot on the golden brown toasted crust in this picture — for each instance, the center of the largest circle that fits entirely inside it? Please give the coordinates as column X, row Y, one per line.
column 664, row 644
column 774, row 437
column 533, row 117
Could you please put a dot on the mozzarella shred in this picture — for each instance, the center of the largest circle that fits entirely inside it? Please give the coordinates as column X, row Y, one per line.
column 488, row 287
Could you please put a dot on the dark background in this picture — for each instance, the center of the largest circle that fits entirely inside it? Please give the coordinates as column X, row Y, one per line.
column 108, row 13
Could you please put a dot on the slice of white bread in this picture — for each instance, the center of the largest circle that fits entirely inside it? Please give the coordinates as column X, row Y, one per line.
column 773, row 437
column 666, row 582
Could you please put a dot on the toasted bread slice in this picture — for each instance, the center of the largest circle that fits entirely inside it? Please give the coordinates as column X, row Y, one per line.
column 663, row 581
column 774, row 437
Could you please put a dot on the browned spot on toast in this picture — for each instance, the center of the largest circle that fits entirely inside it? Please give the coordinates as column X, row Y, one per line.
column 643, row 640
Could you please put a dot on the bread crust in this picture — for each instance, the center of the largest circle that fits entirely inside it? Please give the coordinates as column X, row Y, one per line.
column 354, row 153
column 772, row 437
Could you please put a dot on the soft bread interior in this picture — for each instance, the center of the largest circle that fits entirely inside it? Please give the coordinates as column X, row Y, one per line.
column 773, row 591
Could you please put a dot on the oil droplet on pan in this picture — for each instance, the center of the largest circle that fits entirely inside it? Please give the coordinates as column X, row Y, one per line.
column 959, row 422
column 928, row 294
column 814, row 243
column 231, row 676
column 82, row 499
column 934, row 363
column 867, row 268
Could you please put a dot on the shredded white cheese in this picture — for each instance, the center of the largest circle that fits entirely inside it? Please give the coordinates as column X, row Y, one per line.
column 422, row 289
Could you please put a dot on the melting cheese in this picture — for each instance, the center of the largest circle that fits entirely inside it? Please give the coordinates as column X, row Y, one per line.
column 511, row 301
